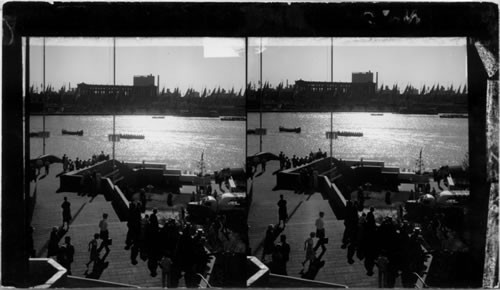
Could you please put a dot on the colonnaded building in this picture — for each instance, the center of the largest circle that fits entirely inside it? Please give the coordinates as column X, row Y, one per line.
column 143, row 87
column 362, row 85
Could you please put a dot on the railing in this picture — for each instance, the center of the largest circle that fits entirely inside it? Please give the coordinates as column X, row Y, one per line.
column 204, row 282
column 421, row 282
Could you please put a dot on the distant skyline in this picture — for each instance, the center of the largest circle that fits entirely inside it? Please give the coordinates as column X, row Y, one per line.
column 196, row 63
column 201, row 63
column 415, row 61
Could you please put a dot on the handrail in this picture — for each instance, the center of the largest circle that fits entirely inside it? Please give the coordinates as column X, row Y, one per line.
column 204, row 280
column 421, row 280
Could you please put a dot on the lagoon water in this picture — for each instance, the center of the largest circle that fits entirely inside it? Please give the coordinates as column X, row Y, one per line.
column 393, row 138
column 179, row 141
column 176, row 141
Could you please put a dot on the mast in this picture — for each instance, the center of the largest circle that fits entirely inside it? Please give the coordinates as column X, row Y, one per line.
column 202, row 165
column 420, row 163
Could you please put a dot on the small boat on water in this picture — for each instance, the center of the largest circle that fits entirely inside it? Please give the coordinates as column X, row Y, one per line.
column 292, row 130
column 233, row 118
column 158, row 117
column 251, row 131
column 377, row 114
column 453, row 116
column 67, row 132
column 131, row 136
column 349, row 134
column 40, row 134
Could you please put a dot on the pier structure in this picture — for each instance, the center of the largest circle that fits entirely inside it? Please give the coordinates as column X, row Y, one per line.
column 87, row 209
column 112, row 175
column 303, row 210
column 335, row 179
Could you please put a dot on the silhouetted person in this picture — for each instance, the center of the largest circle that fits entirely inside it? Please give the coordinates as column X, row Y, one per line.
column 153, row 221
column 281, row 157
column 388, row 198
column 66, row 254
column 92, row 248
column 282, row 211
column 47, row 167
column 320, row 232
column 309, row 249
column 133, row 224
column 53, row 246
column 169, row 200
column 370, row 219
column 66, row 212
column 278, row 265
column 143, row 199
column 361, row 199
column 166, row 274
column 65, row 163
column 104, row 234
column 285, row 252
column 268, row 241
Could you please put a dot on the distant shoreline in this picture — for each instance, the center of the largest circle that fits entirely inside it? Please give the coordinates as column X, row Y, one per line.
column 359, row 111
column 129, row 114
column 248, row 111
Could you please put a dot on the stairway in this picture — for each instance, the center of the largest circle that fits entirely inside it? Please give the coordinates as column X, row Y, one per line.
column 329, row 191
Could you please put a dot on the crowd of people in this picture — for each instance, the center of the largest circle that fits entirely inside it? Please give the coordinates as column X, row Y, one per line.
column 287, row 162
column 178, row 245
column 36, row 167
column 279, row 252
column 77, row 164
column 395, row 246
column 64, row 253
column 178, row 242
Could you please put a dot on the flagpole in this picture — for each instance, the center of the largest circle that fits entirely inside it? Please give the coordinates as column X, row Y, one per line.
column 114, row 84
column 331, row 112
column 261, row 95
column 44, row 100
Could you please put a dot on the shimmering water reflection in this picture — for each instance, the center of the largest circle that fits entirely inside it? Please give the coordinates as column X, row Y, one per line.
column 393, row 138
column 176, row 141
